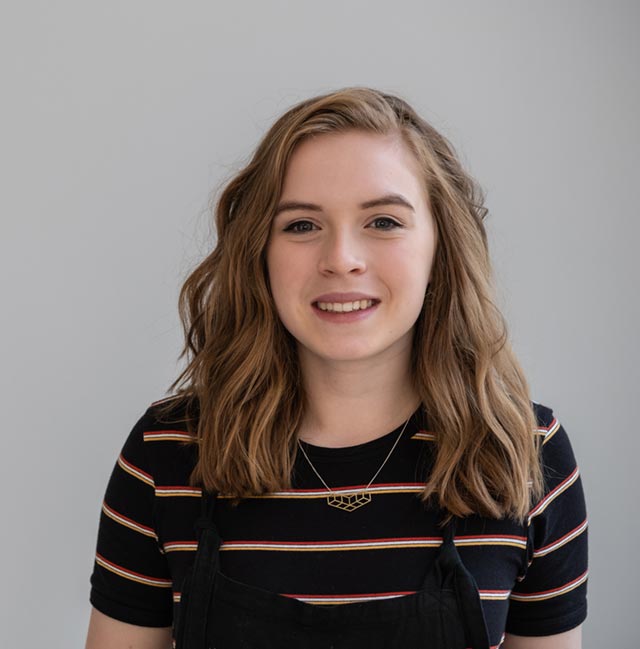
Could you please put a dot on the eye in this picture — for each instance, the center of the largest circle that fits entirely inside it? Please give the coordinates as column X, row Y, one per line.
column 391, row 224
column 293, row 227
column 303, row 227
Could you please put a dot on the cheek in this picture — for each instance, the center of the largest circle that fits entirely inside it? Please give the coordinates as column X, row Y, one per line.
column 284, row 279
column 409, row 265
column 420, row 257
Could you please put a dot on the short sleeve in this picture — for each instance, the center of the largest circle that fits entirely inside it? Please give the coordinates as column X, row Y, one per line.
column 551, row 596
column 130, row 580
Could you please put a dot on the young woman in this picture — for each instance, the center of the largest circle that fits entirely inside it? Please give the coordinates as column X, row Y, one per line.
column 351, row 458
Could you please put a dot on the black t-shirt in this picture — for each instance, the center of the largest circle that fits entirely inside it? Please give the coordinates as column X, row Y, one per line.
column 531, row 577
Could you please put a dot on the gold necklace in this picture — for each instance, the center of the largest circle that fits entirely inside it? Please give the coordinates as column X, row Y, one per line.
column 351, row 502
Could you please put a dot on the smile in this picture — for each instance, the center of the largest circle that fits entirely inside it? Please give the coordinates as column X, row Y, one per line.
column 345, row 307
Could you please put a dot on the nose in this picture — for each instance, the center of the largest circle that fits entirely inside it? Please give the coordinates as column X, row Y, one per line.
column 341, row 254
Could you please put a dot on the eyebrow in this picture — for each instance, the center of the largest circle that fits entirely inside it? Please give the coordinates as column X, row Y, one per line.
column 387, row 199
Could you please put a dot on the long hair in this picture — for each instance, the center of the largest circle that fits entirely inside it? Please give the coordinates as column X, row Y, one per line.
column 242, row 384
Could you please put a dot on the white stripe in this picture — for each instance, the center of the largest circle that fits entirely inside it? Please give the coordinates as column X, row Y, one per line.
column 168, row 491
column 348, row 545
column 552, row 495
column 420, row 435
column 162, row 583
column 127, row 523
column 548, row 432
column 323, row 493
column 332, row 600
column 494, row 594
column 132, row 470
column 167, row 436
column 185, row 545
column 368, row 544
column 561, row 542
column 534, row 597
column 492, row 540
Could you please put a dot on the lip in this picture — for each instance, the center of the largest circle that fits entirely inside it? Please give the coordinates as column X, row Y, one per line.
column 345, row 317
column 344, row 297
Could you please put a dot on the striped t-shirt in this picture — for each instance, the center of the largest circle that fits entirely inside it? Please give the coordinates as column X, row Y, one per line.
column 531, row 577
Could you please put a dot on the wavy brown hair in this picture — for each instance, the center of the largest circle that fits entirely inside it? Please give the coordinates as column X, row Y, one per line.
column 243, row 387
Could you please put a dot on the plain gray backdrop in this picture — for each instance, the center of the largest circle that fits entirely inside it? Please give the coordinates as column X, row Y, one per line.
column 119, row 122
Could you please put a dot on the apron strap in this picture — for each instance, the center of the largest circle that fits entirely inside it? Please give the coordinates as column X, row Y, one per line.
column 471, row 606
column 450, row 572
column 200, row 584
column 447, row 558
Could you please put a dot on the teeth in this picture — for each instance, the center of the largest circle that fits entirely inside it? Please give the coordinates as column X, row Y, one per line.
column 344, row 307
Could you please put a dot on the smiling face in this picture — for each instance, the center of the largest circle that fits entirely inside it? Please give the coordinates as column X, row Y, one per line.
column 351, row 247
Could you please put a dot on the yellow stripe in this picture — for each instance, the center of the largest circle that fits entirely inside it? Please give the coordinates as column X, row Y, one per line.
column 165, row 437
column 321, row 493
column 135, row 474
column 429, row 437
column 167, row 492
column 551, row 432
column 137, row 528
column 512, row 544
column 553, row 494
column 121, row 572
column 494, row 596
column 180, row 547
column 327, row 548
column 551, row 594
column 552, row 547
column 346, row 600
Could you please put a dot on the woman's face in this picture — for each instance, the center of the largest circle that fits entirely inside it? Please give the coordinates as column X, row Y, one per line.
column 352, row 225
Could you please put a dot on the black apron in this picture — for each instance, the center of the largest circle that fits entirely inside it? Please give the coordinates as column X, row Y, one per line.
column 217, row 612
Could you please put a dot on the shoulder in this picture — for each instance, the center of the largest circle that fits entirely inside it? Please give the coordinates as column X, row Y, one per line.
column 160, row 448
column 169, row 419
column 555, row 446
column 561, row 473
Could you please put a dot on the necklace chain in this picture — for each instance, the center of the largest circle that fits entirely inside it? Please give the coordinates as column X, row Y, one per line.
column 352, row 502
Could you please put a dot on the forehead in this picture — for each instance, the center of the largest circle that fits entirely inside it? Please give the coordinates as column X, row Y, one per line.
column 356, row 164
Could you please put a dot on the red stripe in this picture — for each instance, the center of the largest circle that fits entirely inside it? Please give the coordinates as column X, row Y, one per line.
column 135, row 468
column 553, row 491
column 126, row 518
column 493, row 536
column 131, row 572
column 408, row 538
column 361, row 486
column 166, row 432
column 178, row 488
column 357, row 595
column 373, row 540
column 554, row 590
column 554, row 421
column 561, row 538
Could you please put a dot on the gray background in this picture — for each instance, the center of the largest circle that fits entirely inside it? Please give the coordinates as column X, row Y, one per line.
column 121, row 118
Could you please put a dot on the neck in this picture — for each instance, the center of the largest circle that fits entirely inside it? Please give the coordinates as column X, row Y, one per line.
column 352, row 403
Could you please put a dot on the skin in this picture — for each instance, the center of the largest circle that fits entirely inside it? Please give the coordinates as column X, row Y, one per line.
column 107, row 633
column 568, row 640
column 356, row 375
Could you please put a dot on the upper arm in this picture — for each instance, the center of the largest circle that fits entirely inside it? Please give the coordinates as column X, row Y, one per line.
column 108, row 633
column 568, row 640
column 549, row 599
column 131, row 580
